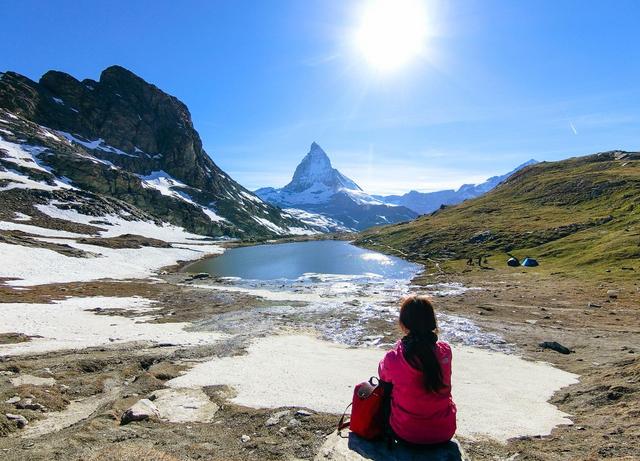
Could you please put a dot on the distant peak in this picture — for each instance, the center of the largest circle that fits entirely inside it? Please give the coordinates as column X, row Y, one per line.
column 315, row 170
column 316, row 149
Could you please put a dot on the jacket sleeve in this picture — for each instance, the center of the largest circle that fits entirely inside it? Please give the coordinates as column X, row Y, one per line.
column 384, row 367
column 447, row 359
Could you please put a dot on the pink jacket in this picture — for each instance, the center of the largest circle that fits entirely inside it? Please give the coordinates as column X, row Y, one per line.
column 417, row 415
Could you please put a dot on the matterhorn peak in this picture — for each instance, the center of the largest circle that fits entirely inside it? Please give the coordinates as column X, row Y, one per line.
column 320, row 189
column 315, row 173
column 316, row 149
column 318, row 156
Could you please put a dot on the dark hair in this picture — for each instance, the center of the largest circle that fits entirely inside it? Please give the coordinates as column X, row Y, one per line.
column 418, row 316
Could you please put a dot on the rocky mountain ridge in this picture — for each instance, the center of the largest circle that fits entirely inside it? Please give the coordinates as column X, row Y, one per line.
column 124, row 138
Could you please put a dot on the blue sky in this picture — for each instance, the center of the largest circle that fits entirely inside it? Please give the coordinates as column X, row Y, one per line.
column 498, row 82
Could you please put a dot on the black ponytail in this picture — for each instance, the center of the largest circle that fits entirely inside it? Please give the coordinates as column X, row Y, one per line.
column 417, row 315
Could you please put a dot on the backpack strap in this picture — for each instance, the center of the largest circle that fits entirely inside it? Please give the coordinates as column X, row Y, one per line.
column 342, row 424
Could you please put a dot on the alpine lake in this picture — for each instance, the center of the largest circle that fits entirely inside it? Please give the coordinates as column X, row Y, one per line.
column 342, row 292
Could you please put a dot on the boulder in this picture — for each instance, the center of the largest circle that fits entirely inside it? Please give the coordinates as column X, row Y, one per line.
column 184, row 405
column 275, row 418
column 29, row 404
column 293, row 423
column 141, row 411
column 354, row 448
column 20, row 420
column 555, row 346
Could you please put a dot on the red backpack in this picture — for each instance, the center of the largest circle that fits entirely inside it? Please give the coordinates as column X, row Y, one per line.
column 369, row 410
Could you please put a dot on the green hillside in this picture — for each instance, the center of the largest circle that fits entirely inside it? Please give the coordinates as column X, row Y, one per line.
column 579, row 215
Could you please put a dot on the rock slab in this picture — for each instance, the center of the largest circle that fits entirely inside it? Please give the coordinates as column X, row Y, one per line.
column 184, row 405
column 140, row 411
column 353, row 448
column 22, row 380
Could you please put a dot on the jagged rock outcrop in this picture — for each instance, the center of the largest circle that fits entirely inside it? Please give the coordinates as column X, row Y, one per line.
column 125, row 138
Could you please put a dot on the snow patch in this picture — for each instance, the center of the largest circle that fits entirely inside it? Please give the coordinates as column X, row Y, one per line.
column 324, row 223
column 253, row 198
column 98, row 144
column 36, row 230
column 117, row 225
column 23, row 155
column 17, row 216
column 269, row 225
column 212, row 215
column 165, row 184
column 488, row 404
column 360, row 197
column 37, row 266
column 48, row 134
column 69, row 324
column 20, row 181
column 301, row 231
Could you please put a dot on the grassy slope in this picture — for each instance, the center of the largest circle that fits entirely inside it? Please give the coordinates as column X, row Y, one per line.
column 578, row 216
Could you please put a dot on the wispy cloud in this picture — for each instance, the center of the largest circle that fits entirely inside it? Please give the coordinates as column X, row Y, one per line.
column 573, row 128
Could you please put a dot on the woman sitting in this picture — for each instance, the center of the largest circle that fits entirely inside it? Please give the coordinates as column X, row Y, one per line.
column 419, row 367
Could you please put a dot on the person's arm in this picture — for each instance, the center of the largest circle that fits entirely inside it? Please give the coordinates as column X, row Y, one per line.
column 384, row 367
column 449, row 362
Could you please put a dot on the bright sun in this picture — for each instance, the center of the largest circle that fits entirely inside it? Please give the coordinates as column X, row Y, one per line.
column 391, row 32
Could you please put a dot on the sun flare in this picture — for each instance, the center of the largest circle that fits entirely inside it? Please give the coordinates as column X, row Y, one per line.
column 391, row 33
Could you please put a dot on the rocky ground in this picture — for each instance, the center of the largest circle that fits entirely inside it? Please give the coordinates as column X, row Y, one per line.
column 598, row 322
column 74, row 401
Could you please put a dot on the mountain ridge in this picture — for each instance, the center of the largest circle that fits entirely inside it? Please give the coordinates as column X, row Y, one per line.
column 125, row 138
column 316, row 187
column 576, row 216
column 427, row 202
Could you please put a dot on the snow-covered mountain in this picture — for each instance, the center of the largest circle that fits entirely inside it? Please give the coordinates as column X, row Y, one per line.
column 328, row 196
column 427, row 202
column 120, row 141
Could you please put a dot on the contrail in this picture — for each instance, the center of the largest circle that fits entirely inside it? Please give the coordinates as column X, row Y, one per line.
column 573, row 128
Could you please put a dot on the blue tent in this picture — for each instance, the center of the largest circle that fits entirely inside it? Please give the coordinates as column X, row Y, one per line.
column 529, row 262
column 513, row 262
